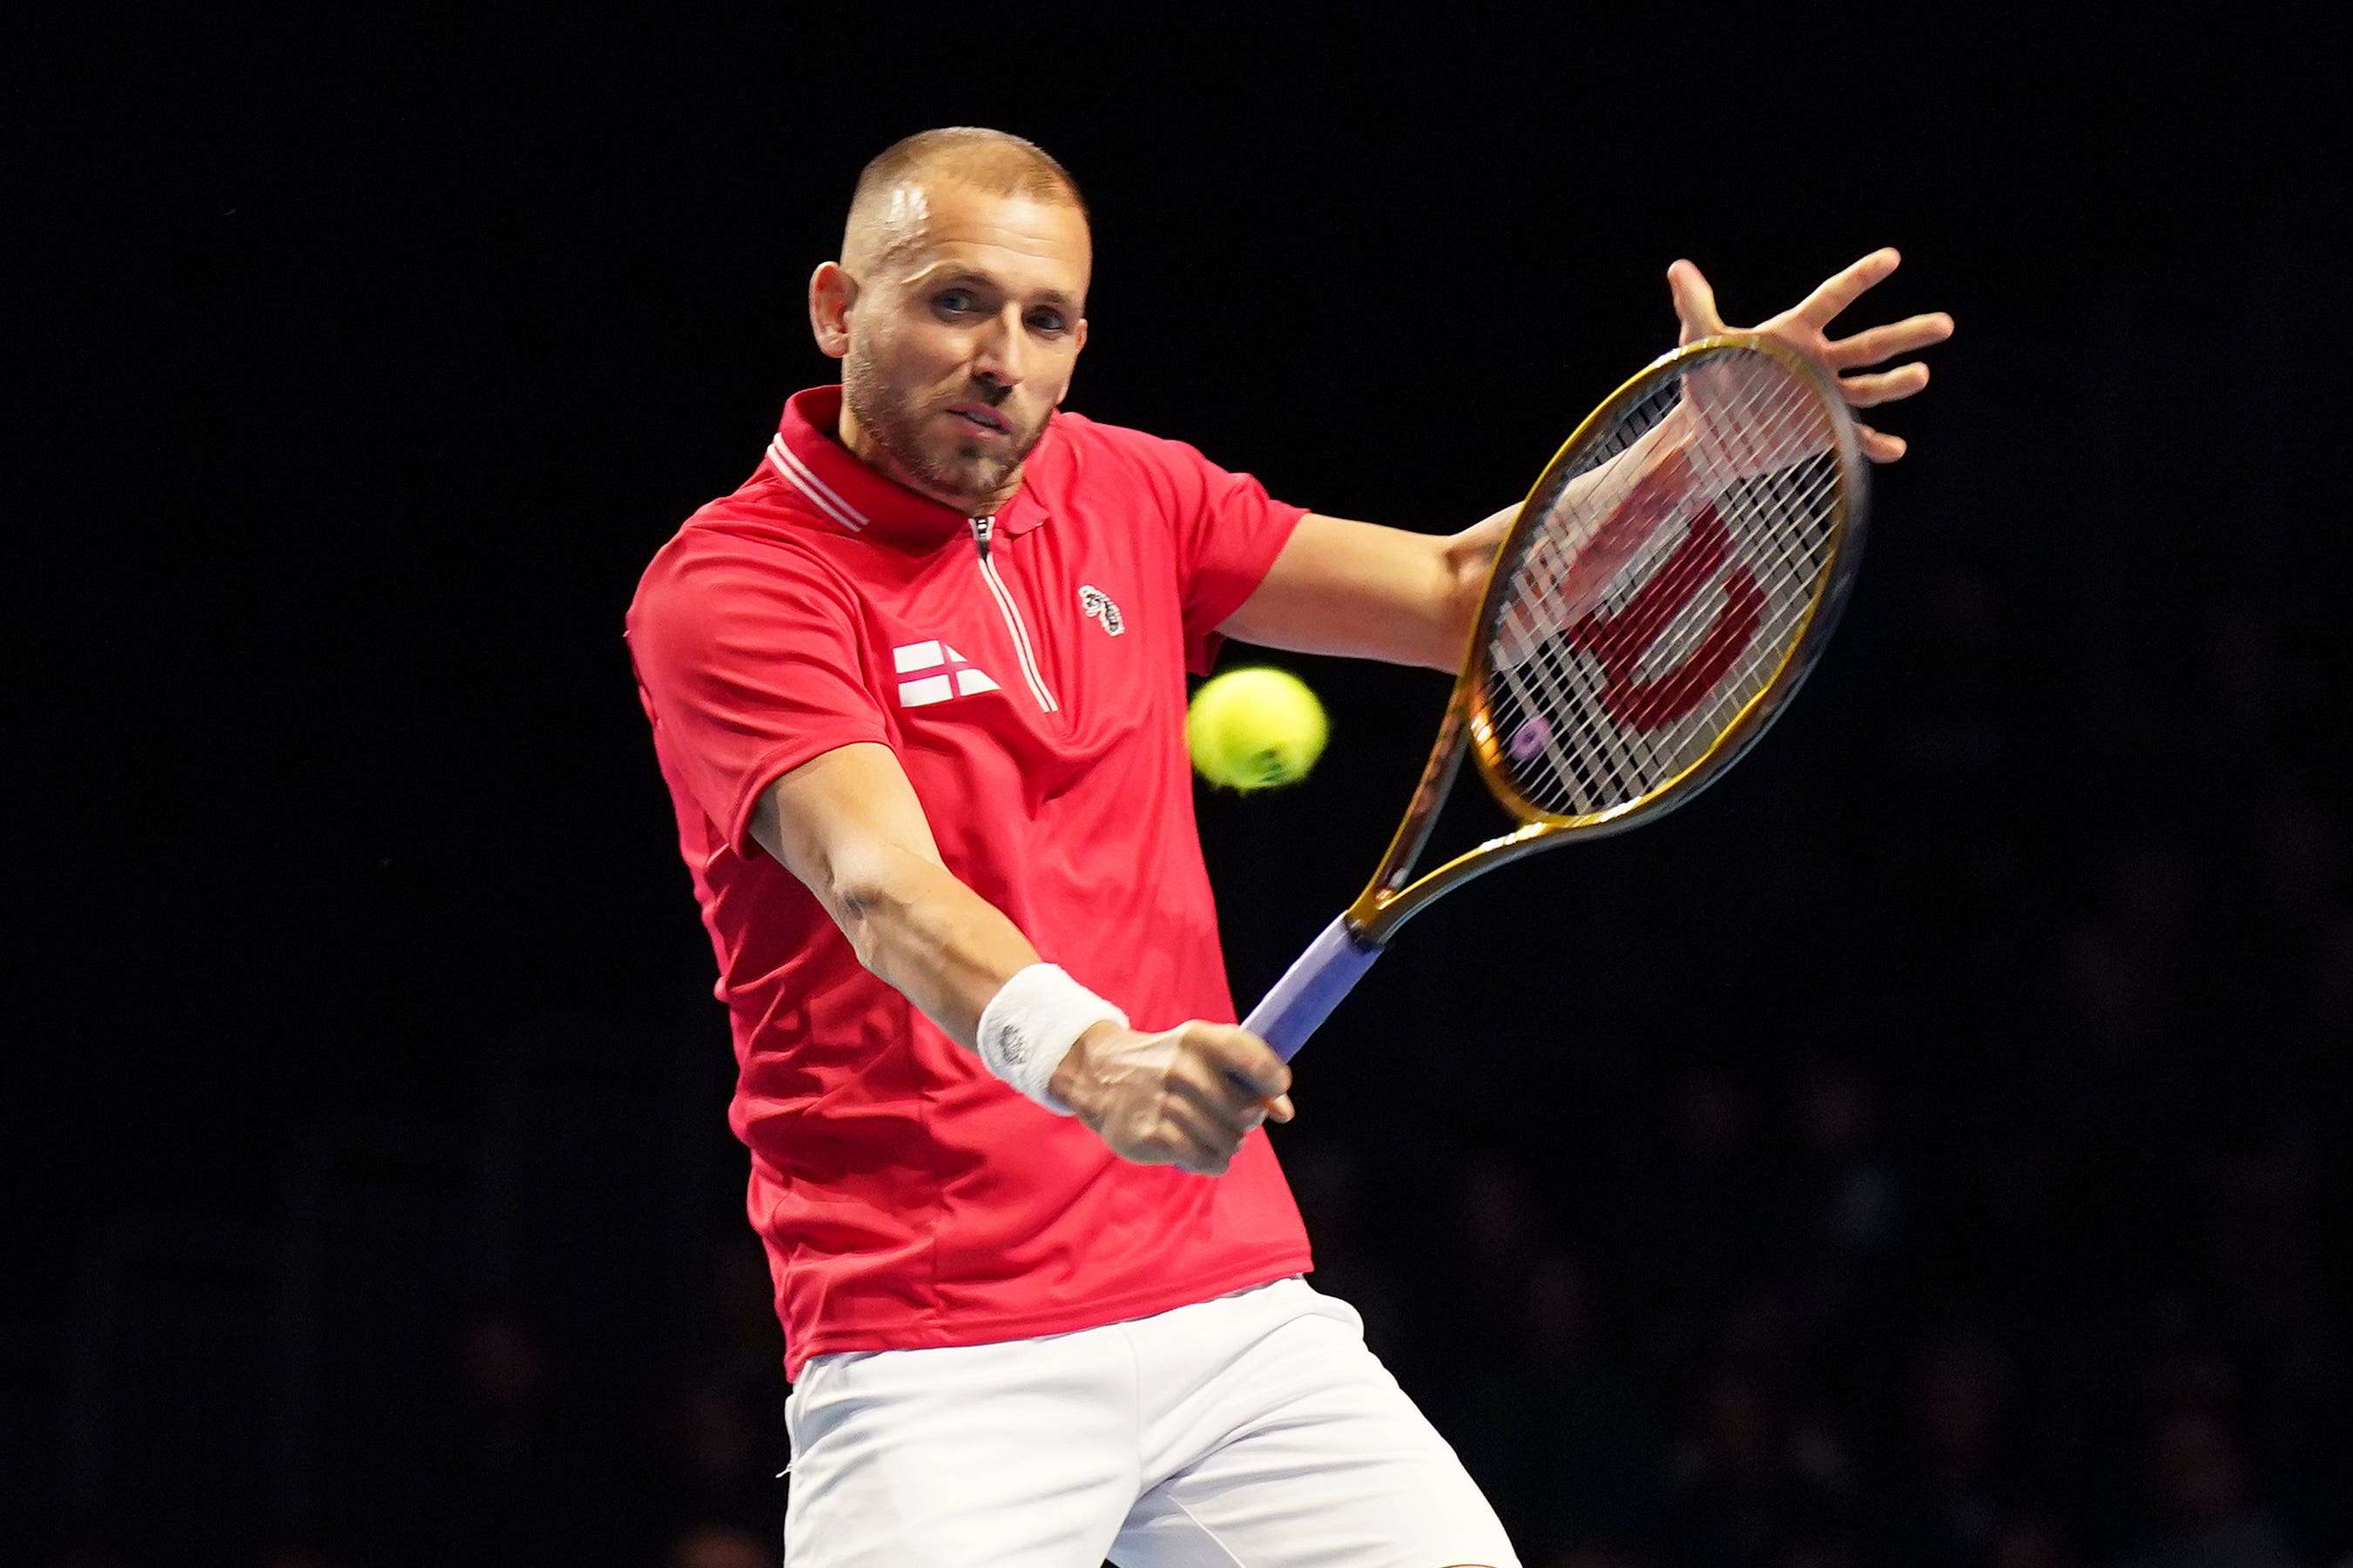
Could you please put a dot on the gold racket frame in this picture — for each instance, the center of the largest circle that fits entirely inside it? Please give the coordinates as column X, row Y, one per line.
column 1391, row 898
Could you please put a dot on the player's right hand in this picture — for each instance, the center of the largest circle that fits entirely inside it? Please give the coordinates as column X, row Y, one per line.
column 1187, row 1097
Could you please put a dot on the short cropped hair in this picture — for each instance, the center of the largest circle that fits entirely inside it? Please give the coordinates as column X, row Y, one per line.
column 995, row 161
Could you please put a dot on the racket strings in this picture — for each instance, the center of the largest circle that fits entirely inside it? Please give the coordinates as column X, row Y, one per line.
column 1612, row 761
column 1704, row 592
column 1645, row 753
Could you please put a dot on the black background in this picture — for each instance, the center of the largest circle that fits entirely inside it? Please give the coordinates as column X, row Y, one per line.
column 360, row 359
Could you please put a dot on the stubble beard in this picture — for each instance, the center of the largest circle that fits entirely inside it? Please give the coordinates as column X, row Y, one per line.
column 963, row 476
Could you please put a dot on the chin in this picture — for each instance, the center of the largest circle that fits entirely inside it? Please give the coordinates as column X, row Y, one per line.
column 978, row 465
column 960, row 481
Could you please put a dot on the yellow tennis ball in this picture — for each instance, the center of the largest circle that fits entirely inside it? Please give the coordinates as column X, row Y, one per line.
column 1254, row 729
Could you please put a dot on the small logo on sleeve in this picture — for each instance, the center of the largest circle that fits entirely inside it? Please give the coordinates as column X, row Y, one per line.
column 1098, row 606
column 932, row 672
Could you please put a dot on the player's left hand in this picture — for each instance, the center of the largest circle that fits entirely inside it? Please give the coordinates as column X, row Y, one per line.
column 1806, row 329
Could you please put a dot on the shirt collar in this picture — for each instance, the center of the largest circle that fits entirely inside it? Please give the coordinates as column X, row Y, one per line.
column 806, row 453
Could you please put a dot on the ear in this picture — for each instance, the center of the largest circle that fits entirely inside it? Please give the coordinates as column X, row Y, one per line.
column 1081, row 335
column 831, row 292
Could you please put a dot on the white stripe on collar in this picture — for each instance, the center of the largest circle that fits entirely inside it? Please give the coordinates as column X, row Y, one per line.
column 789, row 464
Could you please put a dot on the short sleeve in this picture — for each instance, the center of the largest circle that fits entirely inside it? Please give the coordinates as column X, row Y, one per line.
column 748, row 663
column 1227, row 533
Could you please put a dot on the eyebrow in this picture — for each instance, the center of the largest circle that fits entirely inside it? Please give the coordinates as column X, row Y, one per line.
column 941, row 272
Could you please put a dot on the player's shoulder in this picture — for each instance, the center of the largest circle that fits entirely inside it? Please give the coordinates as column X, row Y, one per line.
column 752, row 541
column 1085, row 434
column 1093, row 453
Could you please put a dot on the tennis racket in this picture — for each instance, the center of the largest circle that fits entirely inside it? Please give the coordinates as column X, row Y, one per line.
column 1667, row 584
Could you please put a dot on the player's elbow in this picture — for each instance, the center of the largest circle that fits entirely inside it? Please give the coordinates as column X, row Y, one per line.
column 866, row 898
column 861, row 907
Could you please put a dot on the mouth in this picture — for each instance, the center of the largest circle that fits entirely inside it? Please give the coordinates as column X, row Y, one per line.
column 980, row 417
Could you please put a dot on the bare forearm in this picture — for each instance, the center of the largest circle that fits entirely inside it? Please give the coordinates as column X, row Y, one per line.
column 1366, row 592
column 849, row 825
column 943, row 946
column 1187, row 1096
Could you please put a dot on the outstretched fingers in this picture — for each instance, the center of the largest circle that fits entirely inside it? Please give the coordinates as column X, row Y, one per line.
column 1868, row 391
column 1908, row 336
column 1878, row 445
column 1846, row 287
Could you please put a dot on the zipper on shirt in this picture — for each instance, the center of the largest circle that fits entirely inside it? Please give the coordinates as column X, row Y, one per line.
column 984, row 529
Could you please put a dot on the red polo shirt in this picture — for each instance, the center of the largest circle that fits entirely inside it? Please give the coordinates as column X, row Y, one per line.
column 1034, row 694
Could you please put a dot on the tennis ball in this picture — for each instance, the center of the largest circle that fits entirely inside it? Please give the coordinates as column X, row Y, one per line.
column 1254, row 729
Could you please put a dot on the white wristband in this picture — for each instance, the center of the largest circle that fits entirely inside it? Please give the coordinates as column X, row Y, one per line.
column 1030, row 1025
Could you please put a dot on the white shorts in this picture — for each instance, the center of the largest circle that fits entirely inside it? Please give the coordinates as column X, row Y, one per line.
column 1252, row 1431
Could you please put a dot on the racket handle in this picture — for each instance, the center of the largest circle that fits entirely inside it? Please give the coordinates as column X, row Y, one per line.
column 1311, row 988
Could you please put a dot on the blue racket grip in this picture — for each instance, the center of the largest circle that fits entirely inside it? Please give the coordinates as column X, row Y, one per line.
column 1311, row 988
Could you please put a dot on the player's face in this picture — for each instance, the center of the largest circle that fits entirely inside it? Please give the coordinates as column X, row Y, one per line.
column 962, row 344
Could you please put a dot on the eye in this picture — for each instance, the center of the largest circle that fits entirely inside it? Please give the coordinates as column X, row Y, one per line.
column 1048, row 320
column 952, row 302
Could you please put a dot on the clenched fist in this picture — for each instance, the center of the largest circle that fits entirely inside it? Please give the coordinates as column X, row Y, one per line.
column 1186, row 1098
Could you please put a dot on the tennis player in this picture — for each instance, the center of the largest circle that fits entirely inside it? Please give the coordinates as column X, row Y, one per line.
column 917, row 688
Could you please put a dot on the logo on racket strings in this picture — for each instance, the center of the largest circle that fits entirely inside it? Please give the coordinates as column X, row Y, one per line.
column 1618, row 641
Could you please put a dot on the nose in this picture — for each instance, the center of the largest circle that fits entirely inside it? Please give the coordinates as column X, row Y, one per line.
column 999, row 353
